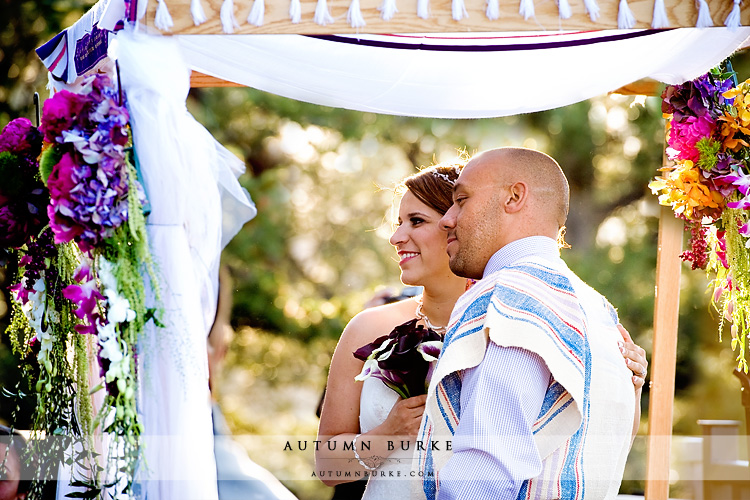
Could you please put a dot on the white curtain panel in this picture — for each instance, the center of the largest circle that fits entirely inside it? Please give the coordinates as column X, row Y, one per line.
column 458, row 75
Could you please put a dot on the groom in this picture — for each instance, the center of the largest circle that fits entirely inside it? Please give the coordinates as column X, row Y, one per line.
column 530, row 388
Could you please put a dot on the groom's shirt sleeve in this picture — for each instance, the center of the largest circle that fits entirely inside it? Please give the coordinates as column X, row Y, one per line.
column 493, row 446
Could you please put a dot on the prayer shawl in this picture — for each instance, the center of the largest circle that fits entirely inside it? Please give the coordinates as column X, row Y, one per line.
column 583, row 432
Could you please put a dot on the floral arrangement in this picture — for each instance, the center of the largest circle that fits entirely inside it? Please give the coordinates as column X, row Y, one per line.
column 403, row 359
column 73, row 217
column 708, row 186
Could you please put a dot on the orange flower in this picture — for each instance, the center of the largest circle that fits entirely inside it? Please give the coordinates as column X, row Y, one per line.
column 728, row 129
column 731, row 123
column 683, row 189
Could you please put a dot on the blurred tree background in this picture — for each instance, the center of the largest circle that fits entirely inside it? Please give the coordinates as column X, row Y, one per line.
column 318, row 249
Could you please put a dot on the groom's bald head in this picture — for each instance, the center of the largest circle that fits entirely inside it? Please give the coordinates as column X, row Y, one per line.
column 549, row 193
column 503, row 195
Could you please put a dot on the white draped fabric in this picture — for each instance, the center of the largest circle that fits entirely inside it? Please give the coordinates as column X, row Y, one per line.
column 458, row 75
column 441, row 75
column 189, row 179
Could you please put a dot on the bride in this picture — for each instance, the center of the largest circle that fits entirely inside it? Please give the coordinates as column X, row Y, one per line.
column 366, row 429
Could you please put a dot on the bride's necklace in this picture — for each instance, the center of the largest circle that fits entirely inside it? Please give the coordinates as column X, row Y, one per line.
column 420, row 315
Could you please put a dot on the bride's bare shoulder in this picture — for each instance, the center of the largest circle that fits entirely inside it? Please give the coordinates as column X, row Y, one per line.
column 377, row 321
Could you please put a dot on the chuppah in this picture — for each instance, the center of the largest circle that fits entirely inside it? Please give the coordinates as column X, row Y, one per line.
column 150, row 321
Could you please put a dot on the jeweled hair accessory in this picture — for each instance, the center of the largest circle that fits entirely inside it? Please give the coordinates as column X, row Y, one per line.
column 444, row 177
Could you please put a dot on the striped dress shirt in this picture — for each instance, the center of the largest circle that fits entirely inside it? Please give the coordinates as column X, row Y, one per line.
column 528, row 349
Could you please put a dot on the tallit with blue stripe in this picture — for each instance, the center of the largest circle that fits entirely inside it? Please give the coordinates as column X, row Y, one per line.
column 538, row 304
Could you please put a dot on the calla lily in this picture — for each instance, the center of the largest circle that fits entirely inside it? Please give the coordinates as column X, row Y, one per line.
column 402, row 359
column 430, row 350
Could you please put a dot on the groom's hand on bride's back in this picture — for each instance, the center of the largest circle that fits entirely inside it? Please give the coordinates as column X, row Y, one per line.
column 405, row 417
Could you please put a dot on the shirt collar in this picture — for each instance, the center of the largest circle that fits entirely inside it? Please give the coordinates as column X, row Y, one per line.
column 543, row 246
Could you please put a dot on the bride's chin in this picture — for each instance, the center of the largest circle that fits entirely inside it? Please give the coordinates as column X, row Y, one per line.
column 409, row 280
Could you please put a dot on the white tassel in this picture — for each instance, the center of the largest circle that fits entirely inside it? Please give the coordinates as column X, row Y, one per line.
column 228, row 22
column 660, row 19
column 423, row 9
column 196, row 10
column 354, row 15
column 625, row 17
column 388, row 9
column 526, row 9
column 733, row 19
column 322, row 14
column 592, row 8
column 704, row 15
column 458, row 9
column 493, row 10
column 563, row 6
column 163, row 20
column 295, row 11
column 256, row 13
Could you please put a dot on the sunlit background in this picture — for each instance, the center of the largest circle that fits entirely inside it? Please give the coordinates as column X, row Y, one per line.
column 322, row 179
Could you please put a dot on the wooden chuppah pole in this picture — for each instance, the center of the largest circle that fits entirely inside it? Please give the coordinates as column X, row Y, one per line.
column 664, row 355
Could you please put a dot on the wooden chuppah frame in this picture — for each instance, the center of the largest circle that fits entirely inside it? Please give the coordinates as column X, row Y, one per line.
column 666, row 312
column 680, row 14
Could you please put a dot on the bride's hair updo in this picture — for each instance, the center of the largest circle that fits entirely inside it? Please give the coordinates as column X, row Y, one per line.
column 433, row 185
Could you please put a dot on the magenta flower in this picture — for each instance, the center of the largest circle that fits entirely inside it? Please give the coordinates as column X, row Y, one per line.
column 89, row 185
column 22, row 293
column 739, row 180
column 20, row 137
column 684, row 135
column 721, row 251
column 61, row 112
column 85, row 297
column 63, row 178
column 743, row 204
column 22, row 196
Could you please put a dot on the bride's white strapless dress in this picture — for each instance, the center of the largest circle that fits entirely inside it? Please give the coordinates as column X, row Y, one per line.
column 391, row 481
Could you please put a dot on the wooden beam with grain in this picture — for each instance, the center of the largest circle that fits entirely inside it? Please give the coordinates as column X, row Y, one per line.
column 680, row 13
column 647, row 86
column 663, row 355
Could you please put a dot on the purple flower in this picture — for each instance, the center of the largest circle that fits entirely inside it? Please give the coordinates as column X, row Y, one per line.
column 739, row 179
column 22, row 196
column 20, row 137
column 399, row 358
column 743, row 204
column 14, row 230
column 89, row 185
column 711, row 89
column 682, row 101
column 717, row 178
column 696, row 98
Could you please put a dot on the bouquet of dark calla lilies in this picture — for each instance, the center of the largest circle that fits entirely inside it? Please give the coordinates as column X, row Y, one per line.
column 404, row 359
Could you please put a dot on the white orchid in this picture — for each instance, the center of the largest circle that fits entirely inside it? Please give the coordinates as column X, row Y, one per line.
column 119, row 308
column 111, row 351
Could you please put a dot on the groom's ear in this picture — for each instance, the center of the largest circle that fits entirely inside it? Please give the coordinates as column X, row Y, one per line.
column 517, row 195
